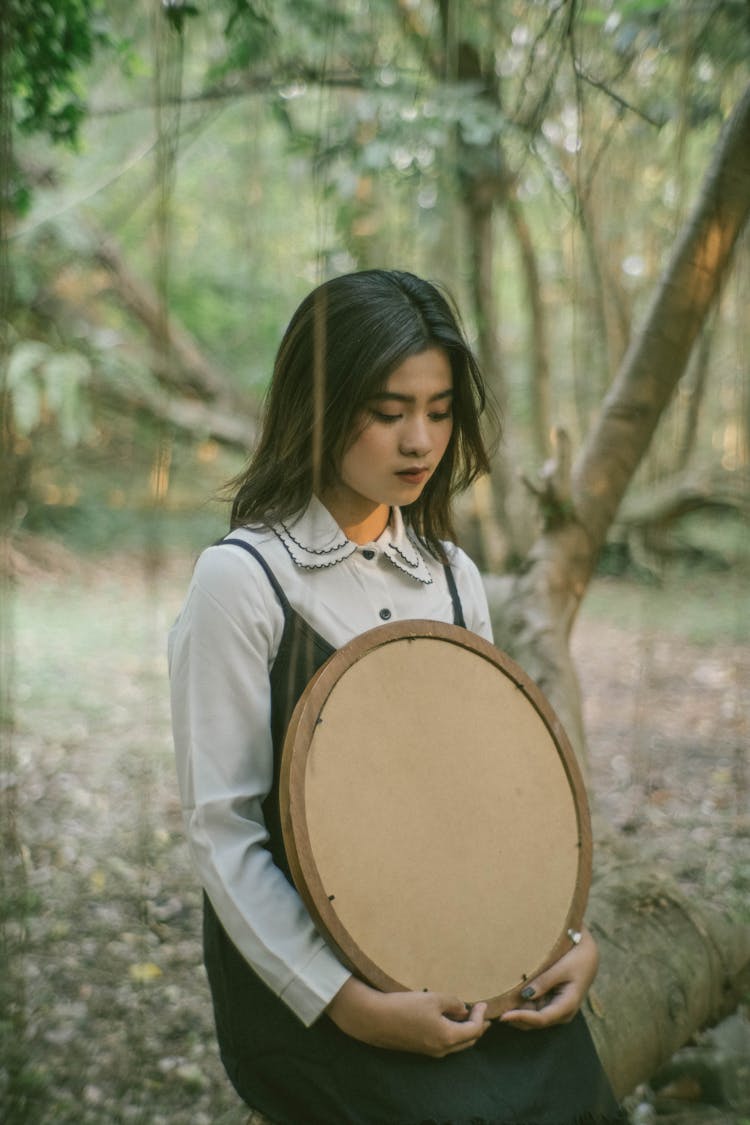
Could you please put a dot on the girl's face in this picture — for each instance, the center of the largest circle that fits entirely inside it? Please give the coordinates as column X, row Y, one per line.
column 401, row 437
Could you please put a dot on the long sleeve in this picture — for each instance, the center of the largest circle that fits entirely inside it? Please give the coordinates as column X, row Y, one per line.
column 472, row 593
column 220, row 651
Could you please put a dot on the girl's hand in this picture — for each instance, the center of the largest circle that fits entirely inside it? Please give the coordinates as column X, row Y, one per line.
column 559, row 992
column 425, row 1023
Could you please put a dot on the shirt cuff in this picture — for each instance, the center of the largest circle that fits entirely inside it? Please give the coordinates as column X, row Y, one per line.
column 310, row 992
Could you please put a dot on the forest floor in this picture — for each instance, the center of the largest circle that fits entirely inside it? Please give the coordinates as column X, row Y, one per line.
column 108, row 1017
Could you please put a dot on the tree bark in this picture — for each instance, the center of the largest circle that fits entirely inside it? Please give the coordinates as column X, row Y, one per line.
column 532, row 614
column 695, row 395
column 670, row 965
column 611, row 306
column 540, row 394
column 478, row 202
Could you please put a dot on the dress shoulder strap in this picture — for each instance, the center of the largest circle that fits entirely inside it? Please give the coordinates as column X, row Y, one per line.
column 269, row 573
column 458, row 612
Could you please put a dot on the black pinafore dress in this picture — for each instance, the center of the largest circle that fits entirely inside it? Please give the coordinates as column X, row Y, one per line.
column 297, row 1075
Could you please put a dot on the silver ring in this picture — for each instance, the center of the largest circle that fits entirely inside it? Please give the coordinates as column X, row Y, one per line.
column 575, row 936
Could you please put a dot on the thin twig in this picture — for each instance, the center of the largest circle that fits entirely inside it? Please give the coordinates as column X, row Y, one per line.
column 623, row 103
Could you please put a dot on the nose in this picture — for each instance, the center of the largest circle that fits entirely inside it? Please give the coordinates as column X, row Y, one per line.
column 415, row 438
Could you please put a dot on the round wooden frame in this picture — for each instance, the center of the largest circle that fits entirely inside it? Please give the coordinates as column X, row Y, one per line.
column 417, row 753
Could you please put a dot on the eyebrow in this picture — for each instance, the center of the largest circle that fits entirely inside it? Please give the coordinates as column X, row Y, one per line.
column 384, row 396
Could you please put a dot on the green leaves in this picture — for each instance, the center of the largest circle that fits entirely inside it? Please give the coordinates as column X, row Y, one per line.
column 48, row 44
column 177, row 12
column 250, row 33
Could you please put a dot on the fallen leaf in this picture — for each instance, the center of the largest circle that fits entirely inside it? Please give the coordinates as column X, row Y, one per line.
column 144, row 971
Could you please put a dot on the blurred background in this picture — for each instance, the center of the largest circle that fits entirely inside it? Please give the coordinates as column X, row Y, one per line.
column 175, row 178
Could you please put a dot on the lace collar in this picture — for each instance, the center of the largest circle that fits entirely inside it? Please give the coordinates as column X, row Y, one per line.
column 314, row 540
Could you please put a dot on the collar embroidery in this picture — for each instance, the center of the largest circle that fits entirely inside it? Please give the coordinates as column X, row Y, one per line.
column 285, row 533
column 313, row 558
column 317, row 542
column 415, row 566
column 413, row 558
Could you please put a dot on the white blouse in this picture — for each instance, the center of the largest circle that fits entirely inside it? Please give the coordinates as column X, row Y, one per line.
column 221, row 649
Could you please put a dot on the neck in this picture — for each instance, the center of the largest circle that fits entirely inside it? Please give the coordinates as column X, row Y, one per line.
column 357, row 525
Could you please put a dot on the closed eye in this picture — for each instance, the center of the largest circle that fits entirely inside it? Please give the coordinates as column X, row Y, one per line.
column 434, row 416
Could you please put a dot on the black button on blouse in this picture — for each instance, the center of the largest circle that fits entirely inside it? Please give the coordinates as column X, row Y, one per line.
column 368, row 554
column 385, row 614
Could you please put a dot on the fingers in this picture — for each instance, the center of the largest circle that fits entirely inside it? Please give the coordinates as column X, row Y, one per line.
column 578, row 965
column 551, row 1008
column 556, row 994
column 452, row 1007
column 554, row 997
column 477, row 1019
column 431, row 1023
column 427, row 1023
column 467, row 1021
column 469, row 1030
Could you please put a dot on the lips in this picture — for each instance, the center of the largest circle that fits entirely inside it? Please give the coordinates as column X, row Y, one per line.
column 414, row 475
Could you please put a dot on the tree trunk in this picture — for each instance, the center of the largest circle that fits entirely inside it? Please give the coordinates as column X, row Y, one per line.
column 532, row 614
column 534, row 610
column 607, row 296
column 658, row 355
column 670, row 965
column 695, row 390
column 539, row 384
column 478, row 202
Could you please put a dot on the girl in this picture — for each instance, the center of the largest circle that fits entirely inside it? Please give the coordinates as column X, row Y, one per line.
column 341, row 522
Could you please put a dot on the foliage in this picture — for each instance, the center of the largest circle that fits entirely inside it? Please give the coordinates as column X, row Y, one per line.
column 48, row 43
column 177, row 12
column 45, row 47
column 43, row 384
column 315, row 137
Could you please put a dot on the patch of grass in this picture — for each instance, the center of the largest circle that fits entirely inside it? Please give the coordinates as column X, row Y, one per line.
column 96, row 528
column 700, row 592
column 703, row 608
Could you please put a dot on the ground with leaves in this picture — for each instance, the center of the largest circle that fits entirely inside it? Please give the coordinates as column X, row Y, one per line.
column 116, row 1022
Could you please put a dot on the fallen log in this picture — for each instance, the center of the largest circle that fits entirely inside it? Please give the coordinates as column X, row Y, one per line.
column 191, row 369
column 177, row 359
column 647, row 531
column 668, row 501
column 192, row 417
column 670, row 966
column 161, row 391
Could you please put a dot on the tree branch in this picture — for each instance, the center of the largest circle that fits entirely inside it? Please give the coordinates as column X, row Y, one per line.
column 191, row 368
column 261, row 83
column 659, row 353
column 623, row 103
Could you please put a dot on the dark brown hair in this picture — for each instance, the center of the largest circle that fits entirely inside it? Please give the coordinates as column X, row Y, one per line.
column 341, row 345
